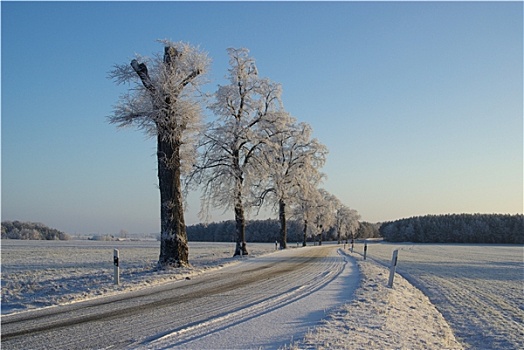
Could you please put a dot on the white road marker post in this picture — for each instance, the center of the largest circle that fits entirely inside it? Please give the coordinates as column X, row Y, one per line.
column 117, row 266
column 392, row 268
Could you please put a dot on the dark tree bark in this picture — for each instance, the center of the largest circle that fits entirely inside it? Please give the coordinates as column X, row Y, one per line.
column 241, row 246
column 283, row 227
column 174, row 249
column 304, row 242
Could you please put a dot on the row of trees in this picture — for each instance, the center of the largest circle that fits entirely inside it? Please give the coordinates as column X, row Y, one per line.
column 253, row 154
column 269, row 231
column 256, row 231
column 31, row 230
column 456, row 228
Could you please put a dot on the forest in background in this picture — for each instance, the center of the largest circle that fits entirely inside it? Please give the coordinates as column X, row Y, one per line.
column 269, row 231
column 31, row 230
column 450, row 228
column 456, row 228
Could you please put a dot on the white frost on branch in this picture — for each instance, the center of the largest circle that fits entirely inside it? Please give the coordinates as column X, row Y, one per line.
column 168, row 106
column 245, row 111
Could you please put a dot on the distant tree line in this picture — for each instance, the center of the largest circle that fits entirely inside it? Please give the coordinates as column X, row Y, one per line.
column 456, row 228
column 31, row 230
column 368, row 230
column 269, row 231
column 256, row 231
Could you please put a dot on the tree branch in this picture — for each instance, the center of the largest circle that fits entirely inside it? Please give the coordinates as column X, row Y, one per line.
column 141, row 71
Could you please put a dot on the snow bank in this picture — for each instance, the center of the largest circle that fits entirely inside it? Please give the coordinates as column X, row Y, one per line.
column 382, row 318
column 478, row 288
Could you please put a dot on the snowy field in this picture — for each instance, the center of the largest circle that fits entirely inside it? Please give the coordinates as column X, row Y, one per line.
column 477, row 288
column 44, row 273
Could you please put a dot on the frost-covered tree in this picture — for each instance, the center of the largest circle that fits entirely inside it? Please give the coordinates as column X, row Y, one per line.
column 346, row 222
column 290, row 159
column 324, row 211
column 367, row 230
column 304, row 205
column 31, row 230
column 244, row 110
column 163, row 102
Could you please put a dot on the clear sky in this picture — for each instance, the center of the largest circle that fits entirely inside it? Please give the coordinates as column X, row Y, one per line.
column 420, row 104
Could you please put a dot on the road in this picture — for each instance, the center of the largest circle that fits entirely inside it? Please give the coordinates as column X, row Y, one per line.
column 186, row 313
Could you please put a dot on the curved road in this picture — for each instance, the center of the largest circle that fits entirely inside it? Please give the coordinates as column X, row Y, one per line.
column 182, row 313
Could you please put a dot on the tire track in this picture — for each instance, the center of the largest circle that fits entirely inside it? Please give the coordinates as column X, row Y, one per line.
column 315, row 281
column 136, row 317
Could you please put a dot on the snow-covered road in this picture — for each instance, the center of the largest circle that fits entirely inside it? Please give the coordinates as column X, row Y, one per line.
column 288, row 291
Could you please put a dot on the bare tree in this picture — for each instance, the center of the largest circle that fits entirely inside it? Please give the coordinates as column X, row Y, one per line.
column 163, row 103
column 231, row 144
column 290, row 159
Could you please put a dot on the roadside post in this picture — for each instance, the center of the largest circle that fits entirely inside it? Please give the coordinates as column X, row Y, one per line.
column 117, row 266
column 392, row 268
column 365, row 249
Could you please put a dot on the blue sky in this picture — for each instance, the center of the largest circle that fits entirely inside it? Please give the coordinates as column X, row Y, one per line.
column 419, row 103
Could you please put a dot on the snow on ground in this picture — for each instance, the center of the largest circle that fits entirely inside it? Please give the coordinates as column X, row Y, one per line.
column 379, row 317
column 287, row 310
column 477, row 288
column 46, row 273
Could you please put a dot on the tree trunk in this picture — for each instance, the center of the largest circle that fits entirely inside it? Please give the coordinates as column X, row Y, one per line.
column 304, row 243
column 174, row 249
column 283, row 227
column 241, row 247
